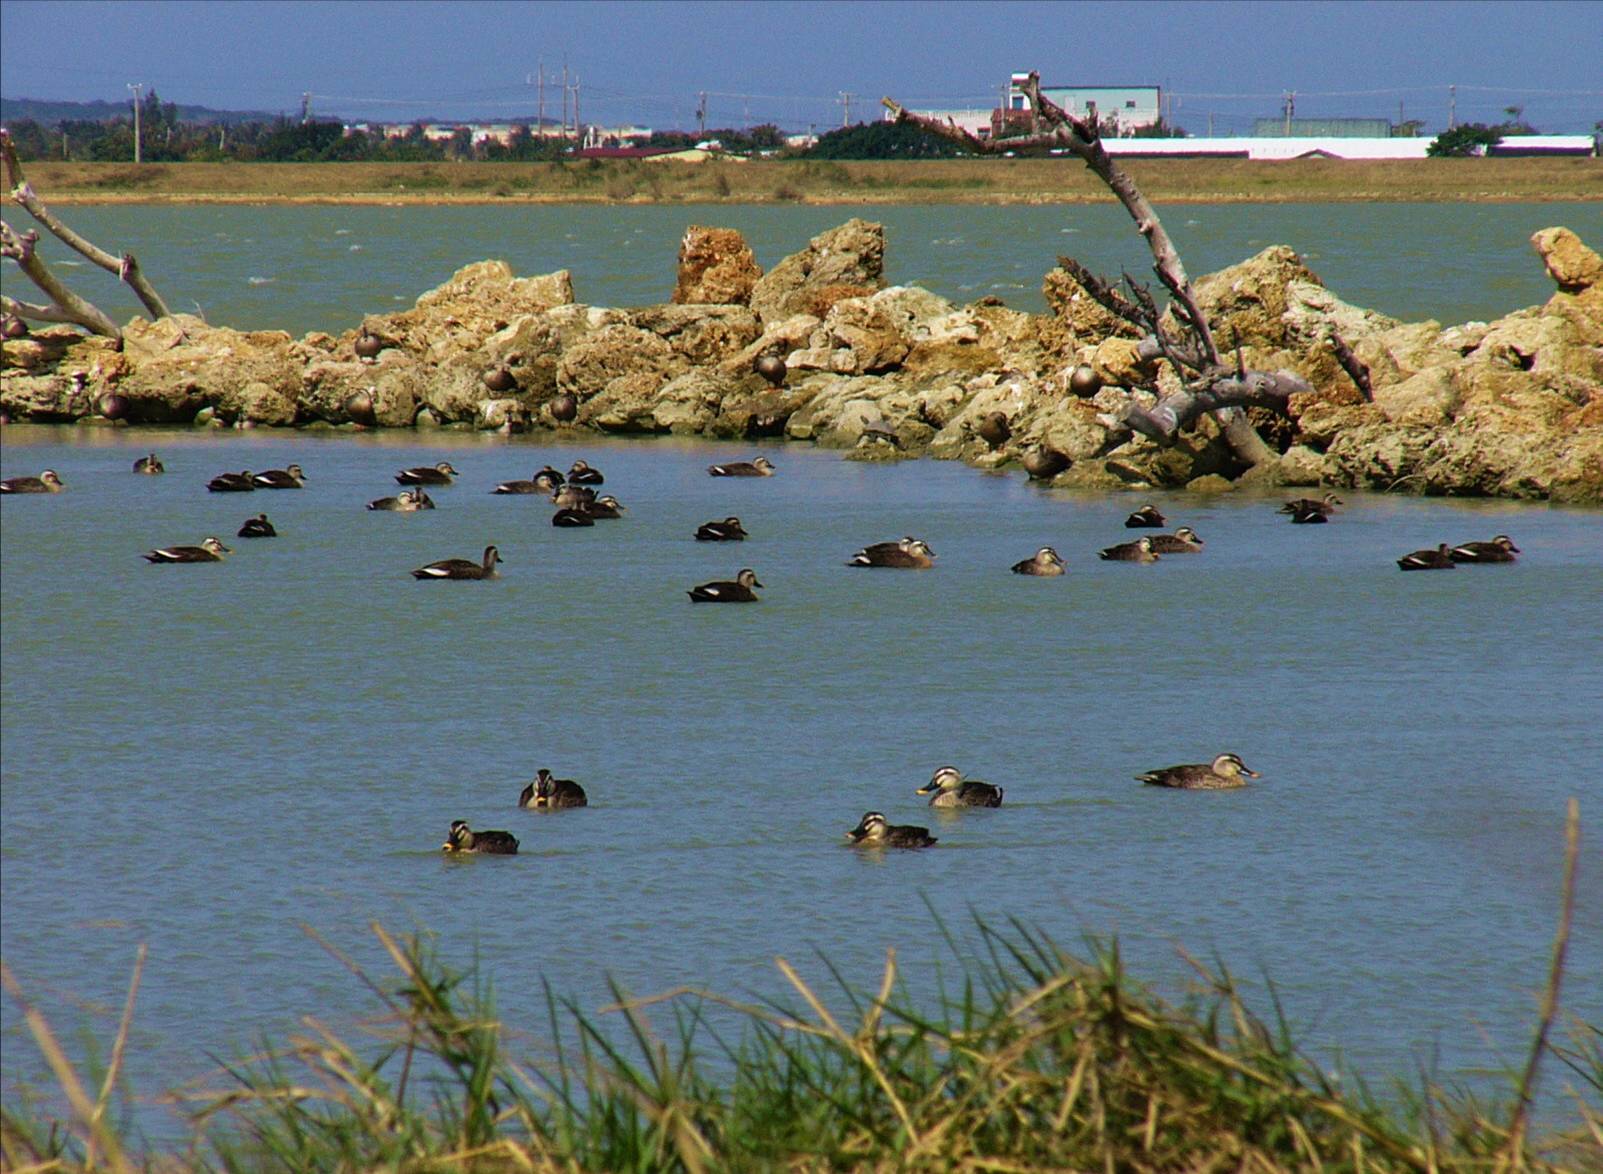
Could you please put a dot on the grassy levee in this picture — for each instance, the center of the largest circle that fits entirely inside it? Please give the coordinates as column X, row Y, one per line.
column 1037, row 1061
column 981, row 181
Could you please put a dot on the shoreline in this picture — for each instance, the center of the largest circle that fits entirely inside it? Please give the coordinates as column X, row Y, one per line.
column 1561, row 180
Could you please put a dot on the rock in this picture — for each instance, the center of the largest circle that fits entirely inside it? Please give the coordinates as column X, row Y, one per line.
column 1573, row 267
column 715, row 266
column 1210, row 483
column 1119, row 361
column 703, row 334
column 1301, row 465
column 591, row 364
column 1076, row 314
column 258, row 403
column 851, row 255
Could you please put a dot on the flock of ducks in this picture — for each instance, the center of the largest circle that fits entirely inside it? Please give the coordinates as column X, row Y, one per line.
column 577, row 504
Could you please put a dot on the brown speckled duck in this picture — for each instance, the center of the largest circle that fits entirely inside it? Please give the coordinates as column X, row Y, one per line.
column 1182, row 541
column 948, row 788
column 873, row 831
column 725, row 591
column 209, row 551
column 1222, row 774
column 1440, row 559
column 911, row 553
column 1499, row 550
column 1147, row 517
column 440, row 474
column 289, row 477
column 150, row 465
column 1139, row 551
column 405, row 502
column 1046, row 562
column 580, row 473
column 548, row 792
column 46, row 482
column 240, row 482
column 728, row 530
column 487, row 843
column 1326, row 505
column 258, row 527
column 461, row 568
column 756, row 467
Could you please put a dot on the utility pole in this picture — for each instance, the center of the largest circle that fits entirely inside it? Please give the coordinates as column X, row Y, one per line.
column 136, row 87
column 564, row 100
column 539, row 102
column 577, row 132
column 701, row 115
column 846, row 108
column 1452, row 107
column 1291, row 108
column 306, row 107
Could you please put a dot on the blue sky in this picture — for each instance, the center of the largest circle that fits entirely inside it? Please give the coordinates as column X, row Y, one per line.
column 788, row 61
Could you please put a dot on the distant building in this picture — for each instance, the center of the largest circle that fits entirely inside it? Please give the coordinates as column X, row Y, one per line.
column 1322, row 128
column 1126, row 108
column 978, row 123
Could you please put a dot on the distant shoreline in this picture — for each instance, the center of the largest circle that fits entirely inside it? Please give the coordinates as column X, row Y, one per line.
column 817, row 182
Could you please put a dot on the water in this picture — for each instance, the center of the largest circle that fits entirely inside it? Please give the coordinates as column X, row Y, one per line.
column 322, row 268
column 216, row 760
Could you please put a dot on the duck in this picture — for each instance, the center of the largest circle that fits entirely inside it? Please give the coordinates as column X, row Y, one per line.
column 948, row 788
column 728, row 530
column 914, row 555
column 1440, row 559
column 439, row 474
column 1499, row 550
column 289, row 477
column 724, row 591
column 461, row 568
column 571, row 516
column 546, row 791
column 605, row 507
column 406, row 502
column 580, row 473
column 873, row 831
column 547, row 480
column 1147, row 517
column 756, row 467
column 210, row 550
column 258, row 527
column 1183, row 541
column 151, row 464
column 1314, row 517
column 240, row 482
column 1139, row 551
column 47, row 482
column 1324, row 505
column 487, row 843
column 572, row 497
column 1046, row 562
column 1222, row 774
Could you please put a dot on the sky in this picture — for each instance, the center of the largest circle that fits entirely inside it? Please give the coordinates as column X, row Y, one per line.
column 791, row 61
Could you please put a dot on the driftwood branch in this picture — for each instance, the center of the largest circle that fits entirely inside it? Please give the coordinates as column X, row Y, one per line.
column 65, row 306
column 1214, row 386
column 1355, row 367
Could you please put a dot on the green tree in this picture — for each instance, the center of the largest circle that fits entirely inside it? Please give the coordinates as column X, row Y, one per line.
column 884, row 140
column 1472, row 138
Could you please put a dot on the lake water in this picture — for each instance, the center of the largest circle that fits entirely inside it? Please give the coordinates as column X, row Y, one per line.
column 212, row 759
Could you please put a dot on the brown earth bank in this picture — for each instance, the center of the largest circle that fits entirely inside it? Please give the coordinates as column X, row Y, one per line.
column 1511, row 408
column 986, row 181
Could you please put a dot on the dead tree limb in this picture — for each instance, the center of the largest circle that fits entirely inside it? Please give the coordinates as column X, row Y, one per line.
column 65, row 306
column 1357, row 370
column 1209, row 384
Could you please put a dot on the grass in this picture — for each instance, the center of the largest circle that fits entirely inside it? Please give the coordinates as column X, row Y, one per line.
column 981, row 181
column 1037, row 1061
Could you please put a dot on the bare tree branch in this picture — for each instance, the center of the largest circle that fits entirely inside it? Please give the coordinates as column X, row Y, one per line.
column 126, row 267
column 1355, row 367
column 66, row 306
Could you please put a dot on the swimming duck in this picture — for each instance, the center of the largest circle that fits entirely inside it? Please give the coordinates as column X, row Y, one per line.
column 756, row 467
column 1139, row 551
column 1313, row 517
column 491, row 843
column 723, row 591
column 569, row 516
column 1499, row 550
column 1440, row 559
column 289, row 477
column 572, row 497
column 1147, row 517
column 579, row 473
column 1222, row 774
column 440, row 474
column 872, row 831
column 1304, row 505
column 1046, row 562
column 258, row 527
column 547, row 480
column 406, row 502
column 1182, row 541
column 915, row 554
column 948, row 788
column 728, row 530
column 232, row 483
column 209, row 551
column 546, row 791
column 46, row 482
column 151, row 464
column 461, row 568
column 605, row 507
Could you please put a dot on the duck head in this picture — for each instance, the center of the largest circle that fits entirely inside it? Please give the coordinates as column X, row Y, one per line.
column 948, row 778
column 1230, row 766
column 869, row 830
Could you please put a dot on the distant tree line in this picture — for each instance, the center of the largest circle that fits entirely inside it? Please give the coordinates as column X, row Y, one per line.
column 1474, row 138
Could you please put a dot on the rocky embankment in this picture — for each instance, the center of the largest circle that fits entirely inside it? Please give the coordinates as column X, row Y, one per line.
column 1510, row 408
